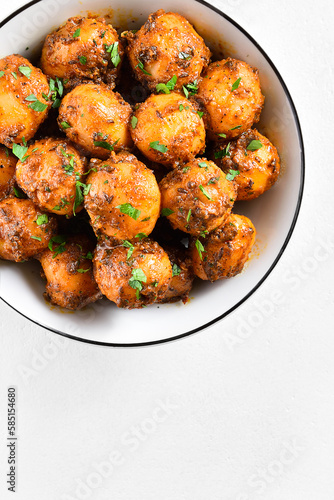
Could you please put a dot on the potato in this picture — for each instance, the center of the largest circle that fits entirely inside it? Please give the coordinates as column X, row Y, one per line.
column 124, row 198
column 168, row 129
column 230, row 94
column 83, row 49
column 97, row 119
column 223, row 253
column 22, row 105
column 197, row 198
column 257, row 161
column 7, row 171
column 52, row 175
column 68, row 270
column 24, row 229
column 182, row 275
column 132, row 276
column 166, row 45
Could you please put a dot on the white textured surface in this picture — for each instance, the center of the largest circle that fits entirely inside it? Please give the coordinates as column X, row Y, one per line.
column 241, row 393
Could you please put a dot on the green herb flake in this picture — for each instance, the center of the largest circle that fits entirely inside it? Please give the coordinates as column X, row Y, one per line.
column 200, row 248
column 200, row 113
column 213, row 180
column 185, row 169
column 65, row 125
column 158, row 147
column 106, row 145
column 202, row 164
column 42, row 219
column 138, row 277
column 222, row 135
column 1, row 74
column 165, row 212
column 184, row 56
column 60, row 241
column 82, row 271
column 128, row 209
column 38, row 238
column 235, row 128
column 204, row 192
column 224, row 152
column 141, row 236
column 166, row 88
column 14, row 74
column 114, row 54
column 176, row 270
column 190, row 89
column 231, row 174
column 189, row 215
column 36, row 105
column 254, row 145
column 20, row 152
column 76, row 34
column 134, row 121
column 131, row 248
column 25, row 70
column 140, row 65
column 83, row 60
column 236, row 84
column 181, row 107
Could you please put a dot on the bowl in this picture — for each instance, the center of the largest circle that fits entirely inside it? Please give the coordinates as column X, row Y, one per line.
column 274, row 213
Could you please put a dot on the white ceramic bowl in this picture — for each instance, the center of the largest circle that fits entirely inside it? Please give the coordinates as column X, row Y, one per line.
column 274, row 214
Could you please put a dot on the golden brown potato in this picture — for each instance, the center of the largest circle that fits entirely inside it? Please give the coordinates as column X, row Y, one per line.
column 22, row 105
column 7, row 171
column 255, row 158
column 52, row 176
column 223, row 253
column 97, row 119
column 168, row 129
column 83, row 49
column 231, row 95
column 132, row 276
column 24, row 229
column 197, row 198
column 68, row 269
column 124, row 198
column 166, row 45
column 182, row 275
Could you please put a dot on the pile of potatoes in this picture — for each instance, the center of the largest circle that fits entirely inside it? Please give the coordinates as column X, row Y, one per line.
column 124, row 197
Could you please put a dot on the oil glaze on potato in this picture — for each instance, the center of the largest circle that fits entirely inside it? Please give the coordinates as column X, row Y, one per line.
column 81, row 50
column 223, row 252
column 7, row 171
column 258, row 168
column 19, row 92
column 68, row 271
column 24, row 229
column 167, row 45
column 49, row 175
column 168, row 129
column 198, row 197
column 136, row 280
column 92, row 115
column 231, row 95
column 124, row 198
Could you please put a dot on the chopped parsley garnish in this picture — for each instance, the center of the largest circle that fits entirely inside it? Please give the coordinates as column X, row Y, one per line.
column 38, row 238
column 81, row 190
column 224, row 152
column 19, row 193
column 131, row 248
column 14, row 74
column 25, row 70
column 189, row 215
column 165, row 212
column 141, row 236
column 200, row 248
column 65, row 125
column 114, row 54
column 63, row 204
column 185, row 169
column 146, row 219
column 106, row 181
column 42, row 219
column 167, row 87
column 36, row 105
column 202, row 164
column 106, row 145
column 184, row 56
column 89, row 256
column 222, row 135
column 1, row 74
column 140, row 65
column 181, row 107
column 60, row 241
column 190, row 89
column 128, row 209
column 56, row 91
column 20, row 152
column 254, row 145
column 76, row 34
column 200, row 113
column 103, row 33
column 158, row 147
column 134, row 121
column 213, row 180
column 231, row 174
column 236, row 84
column 176, row 270
column 83, row 60
column 83, row 270
column 138, row 277
column 204, row 192
column 235, row 128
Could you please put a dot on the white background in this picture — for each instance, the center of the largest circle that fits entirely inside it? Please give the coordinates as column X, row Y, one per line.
column 241, row 411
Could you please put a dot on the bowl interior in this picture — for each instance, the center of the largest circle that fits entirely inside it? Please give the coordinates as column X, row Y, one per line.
column 273, row 214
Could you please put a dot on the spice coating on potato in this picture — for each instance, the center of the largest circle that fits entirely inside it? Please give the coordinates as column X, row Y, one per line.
column 50, row 174
column 97, row 119
column 21, row 90
column 24, row 229
column 68, row 270
column 167, row 45
column 231, row 95
column 198, row 195
column 169, row 129
column 182, row 275
column 257, row 160
column 223, row 253
column 83, row 49
column 7, row 171
column 132, row 277
column 124, row 198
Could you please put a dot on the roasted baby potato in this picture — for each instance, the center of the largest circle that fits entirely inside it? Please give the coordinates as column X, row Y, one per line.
column 23, row 100
column 230, row 94
column 97, row 119
column 197, row 198
column 24, row 229
column 51, row 176
column 132, row 276
column 182, row 275
column 7, row 171
column 168, row 129
column 166, row 45
column 124, row 198
column 223, row 253
column 68, row 270
column 83, row 49
column 255, row 161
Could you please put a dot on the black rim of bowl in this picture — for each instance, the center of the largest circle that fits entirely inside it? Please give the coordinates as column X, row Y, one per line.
column 300, row 195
